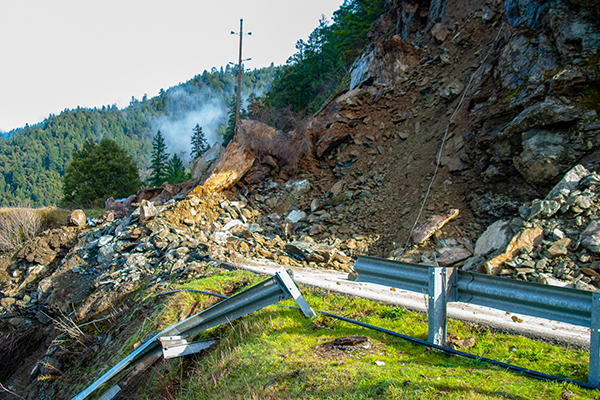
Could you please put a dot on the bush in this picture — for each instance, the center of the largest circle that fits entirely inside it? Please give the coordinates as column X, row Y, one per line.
column 17, row 226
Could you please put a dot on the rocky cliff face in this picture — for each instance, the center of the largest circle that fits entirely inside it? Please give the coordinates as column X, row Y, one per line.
column 468, row 137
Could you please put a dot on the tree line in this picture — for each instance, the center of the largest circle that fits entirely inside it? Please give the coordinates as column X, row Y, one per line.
column 34, row 159
column 43, row 164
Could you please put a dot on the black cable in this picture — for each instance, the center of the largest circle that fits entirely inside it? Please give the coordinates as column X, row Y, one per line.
column 187, row 290
column 510, row 367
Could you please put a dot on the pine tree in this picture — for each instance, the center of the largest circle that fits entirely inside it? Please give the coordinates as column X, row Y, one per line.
column 230, row 129
column 159, row 160
column 175, row 170
column 199, row 143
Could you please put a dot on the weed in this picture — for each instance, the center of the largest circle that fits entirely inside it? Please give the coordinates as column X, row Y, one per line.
column 15, row 347
column 51, row 373
column 17, row 226
column 68, row 327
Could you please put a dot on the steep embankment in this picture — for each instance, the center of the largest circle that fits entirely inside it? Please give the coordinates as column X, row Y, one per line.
column 502, row 95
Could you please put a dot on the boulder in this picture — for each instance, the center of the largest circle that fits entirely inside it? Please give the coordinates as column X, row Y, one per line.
column 200, row 165
column 549, row 112
column 304, row 251
column 558, row 248
column 431, row 225
column 296, row 216
column 440, row 32
column 570, row 181
column 147, row 210
column 77, row 218
column 543, row 209
column 452, row 255
column 298, row 188
column 590, row 237
column 452, row 90
column 525, row 238
column 495, row 237
column 333, row 136
column 539, row 163
column 231, row 167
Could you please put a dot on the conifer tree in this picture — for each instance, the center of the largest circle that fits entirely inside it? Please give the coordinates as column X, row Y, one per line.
column 98, row 172
column 159, row 160
column 199, row 143
column 175, row 170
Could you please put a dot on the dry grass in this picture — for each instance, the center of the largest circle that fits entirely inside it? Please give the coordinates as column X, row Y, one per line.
column 17, row 226
column 68, row 327
column 53, row 217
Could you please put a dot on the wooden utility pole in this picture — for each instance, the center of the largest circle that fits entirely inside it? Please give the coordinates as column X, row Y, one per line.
column 239, row 79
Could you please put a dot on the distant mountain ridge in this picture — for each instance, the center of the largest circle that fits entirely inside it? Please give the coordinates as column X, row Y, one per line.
column 33, row 159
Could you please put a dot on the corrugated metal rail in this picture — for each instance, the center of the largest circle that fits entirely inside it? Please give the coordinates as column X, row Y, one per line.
column 277, row 288
column 443, row 285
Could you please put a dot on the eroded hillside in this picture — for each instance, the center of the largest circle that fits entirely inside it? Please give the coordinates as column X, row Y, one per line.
column 461, row 114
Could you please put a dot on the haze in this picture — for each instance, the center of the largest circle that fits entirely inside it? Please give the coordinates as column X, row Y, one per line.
column 61, row 54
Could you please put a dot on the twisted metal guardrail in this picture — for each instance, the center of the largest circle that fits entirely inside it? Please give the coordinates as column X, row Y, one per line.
column 443, row 285
column 277, row 288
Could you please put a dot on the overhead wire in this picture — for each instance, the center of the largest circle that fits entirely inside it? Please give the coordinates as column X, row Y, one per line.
column 445, row 137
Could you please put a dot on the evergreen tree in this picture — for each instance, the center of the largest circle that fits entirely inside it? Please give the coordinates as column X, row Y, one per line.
column 199, row 143
column 98, row 172
column 159, row 160
column 230, row 129
column 175, row 170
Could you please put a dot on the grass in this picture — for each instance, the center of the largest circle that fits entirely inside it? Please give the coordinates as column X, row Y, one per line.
column 22, row 223
column 276, row 353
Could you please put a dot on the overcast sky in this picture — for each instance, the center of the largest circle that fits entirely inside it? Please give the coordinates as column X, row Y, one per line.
column 60, row 54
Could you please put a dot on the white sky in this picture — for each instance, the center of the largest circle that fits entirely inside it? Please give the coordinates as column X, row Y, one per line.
column 60, row 54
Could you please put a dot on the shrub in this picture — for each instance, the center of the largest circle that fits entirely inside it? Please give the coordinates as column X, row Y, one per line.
column 18, row 225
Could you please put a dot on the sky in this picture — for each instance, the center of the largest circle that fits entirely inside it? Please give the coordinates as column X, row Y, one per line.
column 61, row 54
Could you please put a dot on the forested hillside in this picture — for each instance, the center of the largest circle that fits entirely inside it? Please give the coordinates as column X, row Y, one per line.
column 34, row 158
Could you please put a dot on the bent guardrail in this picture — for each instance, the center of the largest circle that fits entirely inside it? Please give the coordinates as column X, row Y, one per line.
column 443, row 285
column 277, row 288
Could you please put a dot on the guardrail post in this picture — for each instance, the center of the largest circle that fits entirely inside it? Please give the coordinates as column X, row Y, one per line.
column 438, row 298
column 594, row 369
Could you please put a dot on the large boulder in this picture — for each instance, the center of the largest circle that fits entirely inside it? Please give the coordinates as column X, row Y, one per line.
column 232, row 166
column 252, row 138
column 201, row 164
column 385, row 65
column 539, row 162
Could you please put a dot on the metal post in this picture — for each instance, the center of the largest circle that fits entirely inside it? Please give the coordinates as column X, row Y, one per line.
column 239, row 80
column 594, row 369
column 438, row 299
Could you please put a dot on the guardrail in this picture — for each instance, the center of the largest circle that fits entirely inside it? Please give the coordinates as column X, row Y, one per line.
column 277, row 288
column 443, row 285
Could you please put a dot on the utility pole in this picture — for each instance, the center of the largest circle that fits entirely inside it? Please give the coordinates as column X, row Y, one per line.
column 239, row 77
column 239, row 88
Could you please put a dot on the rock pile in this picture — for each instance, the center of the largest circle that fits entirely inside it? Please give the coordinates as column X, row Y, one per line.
column 555, row 240
column 153, row 244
